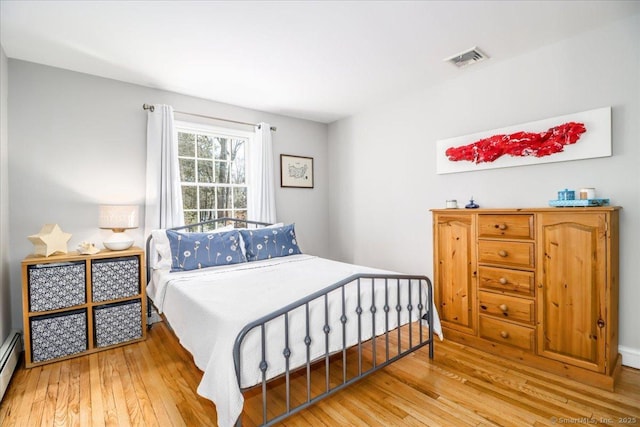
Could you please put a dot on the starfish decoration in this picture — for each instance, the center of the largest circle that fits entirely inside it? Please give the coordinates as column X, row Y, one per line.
column 49, row 240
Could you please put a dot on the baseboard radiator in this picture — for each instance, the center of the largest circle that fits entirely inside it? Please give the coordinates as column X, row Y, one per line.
column 9, row 356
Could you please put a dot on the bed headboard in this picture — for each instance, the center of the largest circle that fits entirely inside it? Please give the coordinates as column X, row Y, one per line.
column 206, row 226
column 212, row 224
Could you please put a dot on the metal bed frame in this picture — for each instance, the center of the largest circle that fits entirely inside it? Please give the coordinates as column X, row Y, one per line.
column 418, row 311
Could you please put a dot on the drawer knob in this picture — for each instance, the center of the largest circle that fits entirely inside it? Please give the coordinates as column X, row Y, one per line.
column 504, row 334
column 501, row 226
column 502, row 253
column 503, row 281
column 503, row 307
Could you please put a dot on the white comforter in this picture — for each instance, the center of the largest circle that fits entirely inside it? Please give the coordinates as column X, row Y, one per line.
column 208, row 308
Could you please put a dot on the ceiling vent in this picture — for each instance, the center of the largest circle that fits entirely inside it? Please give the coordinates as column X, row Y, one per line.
column 470, row 56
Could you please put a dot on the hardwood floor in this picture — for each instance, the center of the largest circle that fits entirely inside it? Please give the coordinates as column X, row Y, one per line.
column 153, row 383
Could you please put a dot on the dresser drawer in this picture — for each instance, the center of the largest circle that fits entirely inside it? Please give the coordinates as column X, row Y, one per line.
column 507, row 333
column 506, row 307
column 513, row 254
column 506, row 226
column 504, row 280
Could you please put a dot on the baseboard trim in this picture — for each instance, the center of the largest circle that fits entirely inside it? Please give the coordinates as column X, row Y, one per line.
column 630, row 356
column 9, row 356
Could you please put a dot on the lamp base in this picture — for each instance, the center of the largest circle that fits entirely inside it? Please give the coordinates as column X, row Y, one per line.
column 118, row 241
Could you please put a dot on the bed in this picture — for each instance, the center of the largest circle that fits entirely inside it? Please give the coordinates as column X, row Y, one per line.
column 262, row 318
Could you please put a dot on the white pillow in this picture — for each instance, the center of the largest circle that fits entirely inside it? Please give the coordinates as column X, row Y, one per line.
column 160, row 256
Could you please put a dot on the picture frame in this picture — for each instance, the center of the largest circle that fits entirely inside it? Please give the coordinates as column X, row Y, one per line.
column 296, row 171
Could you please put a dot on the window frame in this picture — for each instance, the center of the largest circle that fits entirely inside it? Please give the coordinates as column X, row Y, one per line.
column 215, row 131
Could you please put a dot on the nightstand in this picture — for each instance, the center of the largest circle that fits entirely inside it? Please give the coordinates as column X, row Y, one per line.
column 76, row 304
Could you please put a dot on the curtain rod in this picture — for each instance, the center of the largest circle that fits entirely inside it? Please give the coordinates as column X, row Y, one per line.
column 151, row 108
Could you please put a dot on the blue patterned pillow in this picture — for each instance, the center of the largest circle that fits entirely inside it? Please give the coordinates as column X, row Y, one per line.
column 272, row 242
column 191, row 251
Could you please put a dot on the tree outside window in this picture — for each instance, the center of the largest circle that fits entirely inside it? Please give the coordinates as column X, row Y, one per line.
column 213, row 173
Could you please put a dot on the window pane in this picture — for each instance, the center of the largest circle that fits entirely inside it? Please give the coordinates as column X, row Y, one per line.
column 186, row 144
column 189, row 197
column 205, row 147
column 237, row 167
column 208, row 227
column 222, row 172
column 240, row 214
column 217, row 147
column 222, row 148
column 239, row 198
column 190, row 217
column 224, row 198
column 207, row 215
column 207, row 197
column 237, row 173
column 205, row 171
column 187, row 170
column 224, row 214
column 237, row 149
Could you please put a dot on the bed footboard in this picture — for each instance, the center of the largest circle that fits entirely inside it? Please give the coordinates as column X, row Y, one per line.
column 361, row 324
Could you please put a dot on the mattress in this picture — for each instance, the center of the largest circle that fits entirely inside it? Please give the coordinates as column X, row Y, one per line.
column 208, row 308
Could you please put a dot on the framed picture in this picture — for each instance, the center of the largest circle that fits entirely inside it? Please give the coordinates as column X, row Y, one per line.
column 296, row 171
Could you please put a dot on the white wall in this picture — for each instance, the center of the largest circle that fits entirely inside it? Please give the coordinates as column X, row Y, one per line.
column 382, row 161
column 5, row 300
column 76, row 141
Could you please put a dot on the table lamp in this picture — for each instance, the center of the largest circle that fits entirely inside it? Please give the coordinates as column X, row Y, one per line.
column 118, row 218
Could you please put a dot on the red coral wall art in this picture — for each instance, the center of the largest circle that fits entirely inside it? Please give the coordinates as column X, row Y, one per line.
column 519, row 144
column 571, row 137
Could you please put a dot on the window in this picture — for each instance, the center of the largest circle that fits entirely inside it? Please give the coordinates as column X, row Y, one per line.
column 213, row 172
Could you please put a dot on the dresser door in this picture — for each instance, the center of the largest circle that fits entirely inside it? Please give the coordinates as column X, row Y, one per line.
column 455, row 271
column 572, row 288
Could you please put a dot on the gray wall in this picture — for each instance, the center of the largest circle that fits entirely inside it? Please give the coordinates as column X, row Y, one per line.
column 77, row 141
column 382, row 161
column 5, row 289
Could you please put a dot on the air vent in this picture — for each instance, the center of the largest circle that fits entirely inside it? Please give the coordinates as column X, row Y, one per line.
column 467, row 57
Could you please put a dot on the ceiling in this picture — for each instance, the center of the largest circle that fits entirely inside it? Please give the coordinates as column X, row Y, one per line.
column 316, row 60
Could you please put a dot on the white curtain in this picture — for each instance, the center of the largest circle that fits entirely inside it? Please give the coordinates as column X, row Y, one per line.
column 164, row 195
column 262, row 202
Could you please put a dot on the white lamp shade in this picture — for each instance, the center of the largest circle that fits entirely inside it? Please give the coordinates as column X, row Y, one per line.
column 118, row 217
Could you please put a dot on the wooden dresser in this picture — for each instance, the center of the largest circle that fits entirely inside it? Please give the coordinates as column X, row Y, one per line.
column 539, row 286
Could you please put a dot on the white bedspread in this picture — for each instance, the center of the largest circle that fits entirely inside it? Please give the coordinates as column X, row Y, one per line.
column 208, row 308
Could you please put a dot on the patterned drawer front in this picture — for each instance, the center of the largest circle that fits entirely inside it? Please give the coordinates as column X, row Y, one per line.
column 115, row 278
column 118, row 323
column 54, row 286
column 506, row 226
column 58, row 335
column 512, row 254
